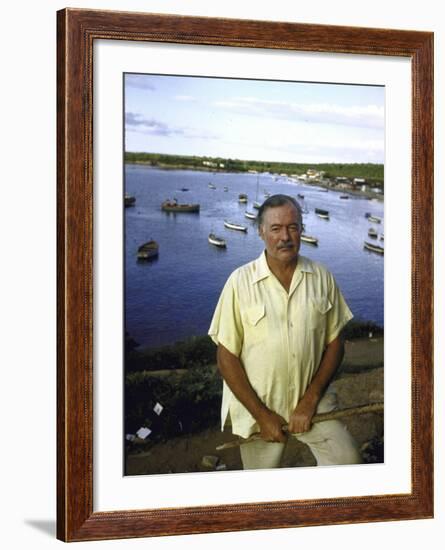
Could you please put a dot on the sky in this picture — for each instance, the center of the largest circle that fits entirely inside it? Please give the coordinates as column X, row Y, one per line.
column 260, row 120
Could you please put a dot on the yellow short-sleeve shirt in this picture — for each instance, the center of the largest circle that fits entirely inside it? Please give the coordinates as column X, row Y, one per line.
column 279, row 336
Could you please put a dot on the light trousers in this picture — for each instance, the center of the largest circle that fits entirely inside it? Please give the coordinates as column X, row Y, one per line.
column 330, row 442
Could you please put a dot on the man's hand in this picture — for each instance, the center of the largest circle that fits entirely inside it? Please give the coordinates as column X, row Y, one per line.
column 300, row 420
column 271, row 425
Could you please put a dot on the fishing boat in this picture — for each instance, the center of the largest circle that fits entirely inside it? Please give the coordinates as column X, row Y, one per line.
column 174, row 206
column 217, row 241
column 242, row 197
column 211, row 186
column 250, row 215
column 322, row 213
column 148, row 250
column 374, row 248
column 372, row 218
column 129, row 200
column 309, row 239
column 236, row 226
column 372, row 233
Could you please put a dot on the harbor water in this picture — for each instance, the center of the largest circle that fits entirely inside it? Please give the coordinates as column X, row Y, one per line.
column 173, row 296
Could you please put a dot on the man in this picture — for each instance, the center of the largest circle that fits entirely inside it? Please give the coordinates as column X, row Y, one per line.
column 278, row 328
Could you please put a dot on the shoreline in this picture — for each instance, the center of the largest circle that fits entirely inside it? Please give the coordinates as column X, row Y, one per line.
column 354, row 192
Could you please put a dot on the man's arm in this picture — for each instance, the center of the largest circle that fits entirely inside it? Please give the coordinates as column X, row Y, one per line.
column 235, row 376
column 300, row 419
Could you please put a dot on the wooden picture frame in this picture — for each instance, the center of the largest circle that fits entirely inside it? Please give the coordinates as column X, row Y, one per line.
column 77, row 31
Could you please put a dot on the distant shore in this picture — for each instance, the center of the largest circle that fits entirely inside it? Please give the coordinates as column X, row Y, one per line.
column 324, row 185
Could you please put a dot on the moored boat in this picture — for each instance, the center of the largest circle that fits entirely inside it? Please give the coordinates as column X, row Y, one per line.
column 250, row 215
column 344, row 196
column 236, row 226
column 309, row 239
column 217, row 241
column 148, row 250
column 242, row 197
column 129, row 200
column 372, row 218
column 374, row 248
column 300, row 196
column 211, row 186
column 322, row 213
column 372, row 233
column 226, row 189
column 256, row 205
column 174, row 206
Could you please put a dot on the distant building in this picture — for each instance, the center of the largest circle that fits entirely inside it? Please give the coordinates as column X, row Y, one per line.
column 358, row 181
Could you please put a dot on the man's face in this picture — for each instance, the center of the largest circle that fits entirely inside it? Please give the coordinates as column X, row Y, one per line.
column 281, row 232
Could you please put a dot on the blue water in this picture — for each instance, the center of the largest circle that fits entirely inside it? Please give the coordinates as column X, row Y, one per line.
column 173, row 296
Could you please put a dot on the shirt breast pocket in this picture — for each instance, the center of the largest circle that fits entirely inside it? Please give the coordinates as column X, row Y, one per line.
column 318, row 311
column 255, row 323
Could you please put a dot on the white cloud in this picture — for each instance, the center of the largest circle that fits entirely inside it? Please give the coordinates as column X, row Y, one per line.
column 369, row 116
column 184, row 98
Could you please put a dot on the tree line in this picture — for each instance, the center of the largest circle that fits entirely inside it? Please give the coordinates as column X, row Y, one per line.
column 369, row 171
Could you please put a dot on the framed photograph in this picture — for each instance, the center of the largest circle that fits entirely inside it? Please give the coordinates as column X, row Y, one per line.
column 172, row 131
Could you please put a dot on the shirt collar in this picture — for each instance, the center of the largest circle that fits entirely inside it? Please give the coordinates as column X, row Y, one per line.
column 262, row 270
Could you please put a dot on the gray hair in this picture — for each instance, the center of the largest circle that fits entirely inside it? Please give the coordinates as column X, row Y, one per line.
column 277, row 200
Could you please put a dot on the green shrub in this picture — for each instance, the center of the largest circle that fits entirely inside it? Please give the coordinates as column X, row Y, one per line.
column 358, row 329
column 191, row 402
column 196, row 351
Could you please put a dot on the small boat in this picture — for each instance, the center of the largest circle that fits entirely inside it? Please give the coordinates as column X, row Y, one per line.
column 300, row 196
column 236, row 226
column 184, row 188
column 309, row 239
column 344, row 196
column 322, row 213
column 382, row 237
column 226, row 189
column 174, row 206
column 266, row 194
column 242, row 197
column 217, row 241
column 256, row 205
column 211, row 186
column 129, row 200
column 374, row 248
column 372, row 233
column 148, row 250
column 250, row 215
column 372, row 218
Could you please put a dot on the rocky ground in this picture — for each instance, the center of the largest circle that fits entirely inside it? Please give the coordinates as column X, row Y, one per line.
column 358, row 382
